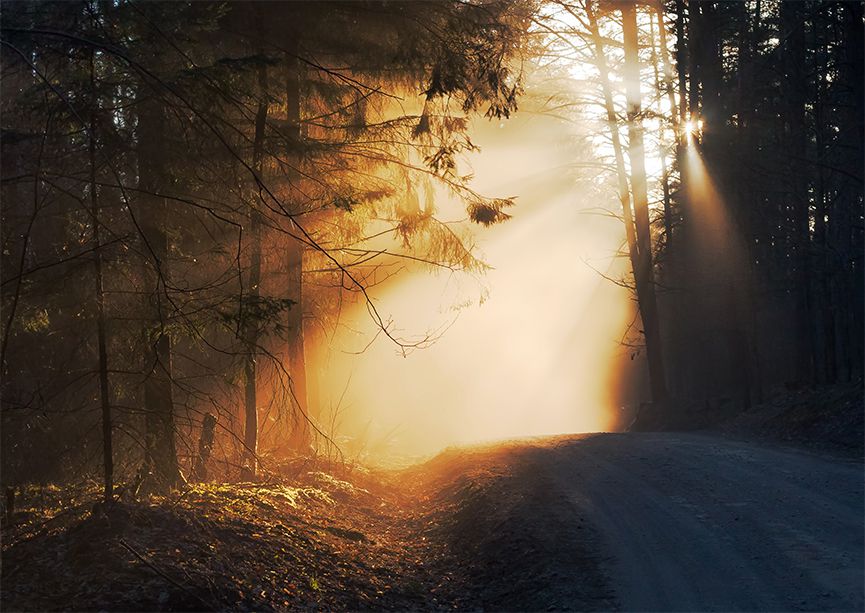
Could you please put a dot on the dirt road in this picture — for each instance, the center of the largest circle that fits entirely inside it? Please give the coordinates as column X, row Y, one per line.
column 674, row 522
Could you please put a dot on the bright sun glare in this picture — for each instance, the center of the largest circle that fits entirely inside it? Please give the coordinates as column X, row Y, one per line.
column 693, row 126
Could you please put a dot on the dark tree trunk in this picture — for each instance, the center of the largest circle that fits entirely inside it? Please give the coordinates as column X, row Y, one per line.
column 99, row 299
column 824, row 349
column 850, row 227
column 711, row 70
column 252, row 323
column 681, row 61
column 746, row 198
column 644, row 275
column 793, row 28
column 301, row 436
column 667, row 86
column 158, row 393
column 205, row 446
column 694, row 56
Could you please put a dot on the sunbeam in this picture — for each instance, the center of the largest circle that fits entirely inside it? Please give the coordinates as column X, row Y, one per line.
column 538, row 355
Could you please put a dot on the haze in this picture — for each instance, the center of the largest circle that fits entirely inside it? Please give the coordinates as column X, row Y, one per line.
column 527, row 348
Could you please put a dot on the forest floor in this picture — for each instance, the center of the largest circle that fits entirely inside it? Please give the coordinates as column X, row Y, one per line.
column 561, row 523
column 825, row 419
column 455, row 533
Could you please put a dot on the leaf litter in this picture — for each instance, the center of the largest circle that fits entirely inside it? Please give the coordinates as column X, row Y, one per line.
column 468, row 530
column 320, row 542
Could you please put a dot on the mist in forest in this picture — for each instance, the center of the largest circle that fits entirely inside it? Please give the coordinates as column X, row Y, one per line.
column 528, row 348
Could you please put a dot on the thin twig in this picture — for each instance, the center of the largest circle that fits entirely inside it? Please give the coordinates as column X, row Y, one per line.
column 162, row 574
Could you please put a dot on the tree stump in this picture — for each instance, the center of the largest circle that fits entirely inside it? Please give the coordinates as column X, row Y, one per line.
column 205, row 446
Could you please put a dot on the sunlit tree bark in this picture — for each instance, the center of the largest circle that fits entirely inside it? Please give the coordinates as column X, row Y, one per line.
column 644, row 274
column 613, row 125
column 300, row 437
column 667, row 86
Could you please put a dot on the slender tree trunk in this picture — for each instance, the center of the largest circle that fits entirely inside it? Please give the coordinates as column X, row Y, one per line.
column 613, row 124
column 636, row 152
column 750, row 358
column 312, row 341
column 104, row 392
column 668, row 86
column 681, row 60
column 723, row 271
column 792, row 17
column 252, row 332
column 618, row 150
column 694, row 56
column 301, row 437
column 158, row 393
column 823, row 269
column 851, row 250
column 678, row 355
column 711, row 69
column 205, row 446
column 827, row 371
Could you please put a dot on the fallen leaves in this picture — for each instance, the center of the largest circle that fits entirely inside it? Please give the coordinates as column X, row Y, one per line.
column 284, row 545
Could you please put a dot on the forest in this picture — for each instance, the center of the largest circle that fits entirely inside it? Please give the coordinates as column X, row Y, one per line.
column 263, row 261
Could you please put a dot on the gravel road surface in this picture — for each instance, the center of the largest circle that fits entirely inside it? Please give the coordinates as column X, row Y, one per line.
column 696, row 523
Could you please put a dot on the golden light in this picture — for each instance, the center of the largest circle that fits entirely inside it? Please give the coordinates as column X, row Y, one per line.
column 537, row 357
column 693, row 126
column 708, row 213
